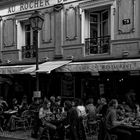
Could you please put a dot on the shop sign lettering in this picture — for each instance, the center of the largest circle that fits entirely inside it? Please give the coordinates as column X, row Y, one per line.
column 96, row 67
column 33, row 4
column 11, row 70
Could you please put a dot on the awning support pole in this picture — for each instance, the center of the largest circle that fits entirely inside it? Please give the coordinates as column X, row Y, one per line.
column 37, row 66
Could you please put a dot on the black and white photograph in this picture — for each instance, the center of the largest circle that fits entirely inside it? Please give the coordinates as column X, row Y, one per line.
column 69, row 69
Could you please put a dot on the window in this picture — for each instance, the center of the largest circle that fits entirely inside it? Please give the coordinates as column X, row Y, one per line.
column 31, row 39
column 98, row 35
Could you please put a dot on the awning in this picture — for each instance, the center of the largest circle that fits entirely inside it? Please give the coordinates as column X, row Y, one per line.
column 46, row 67
column 98, row 66
column 13, row 69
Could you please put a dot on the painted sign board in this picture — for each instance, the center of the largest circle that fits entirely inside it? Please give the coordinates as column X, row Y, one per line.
column 98, row 66
column 27, row 5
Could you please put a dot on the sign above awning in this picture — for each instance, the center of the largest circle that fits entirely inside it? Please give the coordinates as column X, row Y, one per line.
column 13, row 69
column 98, row 66
column 46, row 67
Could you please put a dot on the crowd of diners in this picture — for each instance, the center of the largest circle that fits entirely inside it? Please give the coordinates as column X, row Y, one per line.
column 55, row 116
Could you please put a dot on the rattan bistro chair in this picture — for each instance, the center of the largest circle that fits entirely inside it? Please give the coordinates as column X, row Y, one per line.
column 22, row 122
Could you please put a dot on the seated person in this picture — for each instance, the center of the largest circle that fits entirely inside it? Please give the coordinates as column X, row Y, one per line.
column 24, row 105
column 3, row 103
column 90, row 109
column 35, row 105
column 113, row 125
column 12, row 119
column 102, row 106
column 137, row 110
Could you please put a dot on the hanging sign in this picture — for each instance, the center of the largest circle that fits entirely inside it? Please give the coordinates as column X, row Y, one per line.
column 37, row 94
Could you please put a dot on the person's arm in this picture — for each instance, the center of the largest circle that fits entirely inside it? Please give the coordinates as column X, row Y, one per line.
column 41, row 113
column 114, row 119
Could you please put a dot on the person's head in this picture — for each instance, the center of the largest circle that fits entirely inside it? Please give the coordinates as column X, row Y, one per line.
column 103, row 100
column 113, row 103
column 14, row 101
column 46, row 104
column 99, row 101
column 120, row 108
column 1, row 98
column 90, row 101
column 67, row 105
column 58, row 100
column 52, row 99
column 75, row 102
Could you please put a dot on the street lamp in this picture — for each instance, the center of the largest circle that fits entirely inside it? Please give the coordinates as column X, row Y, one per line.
column 36, row 22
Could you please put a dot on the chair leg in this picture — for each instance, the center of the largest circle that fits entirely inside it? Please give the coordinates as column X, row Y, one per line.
column 1, row 129
column 114, row 137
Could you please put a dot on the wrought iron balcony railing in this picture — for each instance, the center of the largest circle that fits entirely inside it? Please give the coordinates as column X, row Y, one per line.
column 97, row 45
column 28, row 51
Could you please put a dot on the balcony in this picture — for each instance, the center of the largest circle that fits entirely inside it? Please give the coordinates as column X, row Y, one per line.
column 28, row 51
column 97, row 45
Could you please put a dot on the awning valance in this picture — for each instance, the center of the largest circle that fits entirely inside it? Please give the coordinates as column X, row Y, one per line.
column 98, row 66
column 46, row 67
column 13, row 69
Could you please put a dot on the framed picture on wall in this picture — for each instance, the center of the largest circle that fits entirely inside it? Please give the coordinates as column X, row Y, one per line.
column 68, row 86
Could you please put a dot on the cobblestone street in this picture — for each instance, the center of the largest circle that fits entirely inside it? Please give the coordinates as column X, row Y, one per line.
column 23, row 135
column 16, row 135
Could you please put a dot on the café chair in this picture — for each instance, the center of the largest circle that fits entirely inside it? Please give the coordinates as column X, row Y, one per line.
column 109, row 136
column 22, row 122
column 1, row 118
column 93, row 127
column 104, row 133
column 66, row 132
column 88, row 133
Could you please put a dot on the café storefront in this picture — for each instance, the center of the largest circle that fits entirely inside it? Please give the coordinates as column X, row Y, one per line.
column 113, row 78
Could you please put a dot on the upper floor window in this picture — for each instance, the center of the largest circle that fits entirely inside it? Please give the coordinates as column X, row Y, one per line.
column 97, row 26
column 31, row 40
column 98, row 32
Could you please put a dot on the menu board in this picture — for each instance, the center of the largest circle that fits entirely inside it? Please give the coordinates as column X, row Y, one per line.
column 67, row 86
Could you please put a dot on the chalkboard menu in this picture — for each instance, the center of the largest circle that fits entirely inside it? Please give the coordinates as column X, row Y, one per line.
column 67, row 85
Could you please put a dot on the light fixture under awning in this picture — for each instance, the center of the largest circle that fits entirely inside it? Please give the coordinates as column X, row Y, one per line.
column 46, row 67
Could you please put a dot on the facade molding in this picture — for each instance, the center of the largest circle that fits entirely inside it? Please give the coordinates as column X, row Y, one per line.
column 95, row 4
column 129, row 28
column 68, row 14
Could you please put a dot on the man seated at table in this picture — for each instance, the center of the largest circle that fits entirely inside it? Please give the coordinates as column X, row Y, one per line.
column 113, row 125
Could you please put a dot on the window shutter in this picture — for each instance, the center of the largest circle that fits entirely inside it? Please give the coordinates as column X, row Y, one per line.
column 8, row 32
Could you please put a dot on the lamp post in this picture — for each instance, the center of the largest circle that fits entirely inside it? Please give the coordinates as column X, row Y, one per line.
column 36, row 22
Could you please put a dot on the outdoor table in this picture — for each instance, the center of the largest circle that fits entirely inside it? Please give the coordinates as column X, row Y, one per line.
column 7, row 115
column 10, row 112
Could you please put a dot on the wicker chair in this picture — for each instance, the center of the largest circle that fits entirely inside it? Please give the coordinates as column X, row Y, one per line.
column 22, row 122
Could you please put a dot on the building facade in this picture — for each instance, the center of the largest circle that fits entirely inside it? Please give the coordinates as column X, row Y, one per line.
column 102, row 37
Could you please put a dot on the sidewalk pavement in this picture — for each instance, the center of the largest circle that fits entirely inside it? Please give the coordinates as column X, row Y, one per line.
column 17, row 135
column 24, row 135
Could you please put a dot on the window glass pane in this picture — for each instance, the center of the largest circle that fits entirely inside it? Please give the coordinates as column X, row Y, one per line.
column 27, row 27
column 93, row 30
column 104, row 23
column 93, row 25
column 93, row 18
column 27, row 38
column 105, row 16
column 105, row 28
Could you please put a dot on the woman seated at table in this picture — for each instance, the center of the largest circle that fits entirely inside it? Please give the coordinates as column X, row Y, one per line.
column 113, row 125
column 13, row 116
column 24, row 105
column 51, row 121
column 45, row 117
